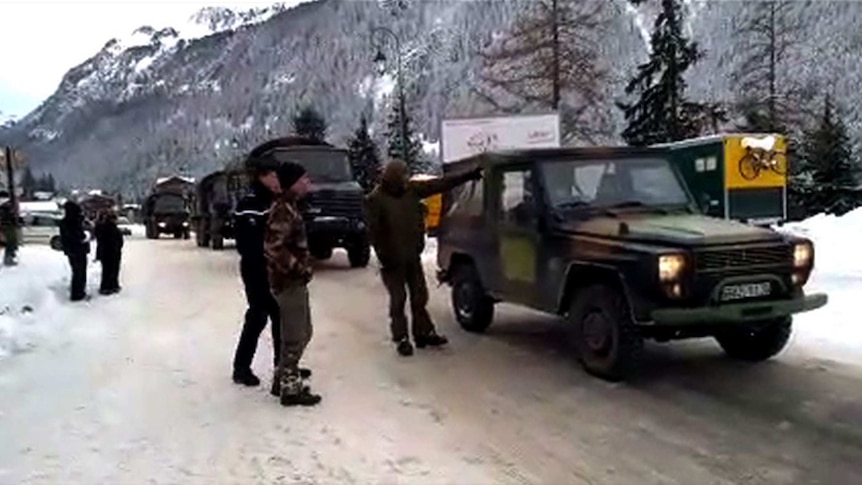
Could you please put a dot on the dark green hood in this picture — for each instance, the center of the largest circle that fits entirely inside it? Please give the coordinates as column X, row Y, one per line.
column 678, row 229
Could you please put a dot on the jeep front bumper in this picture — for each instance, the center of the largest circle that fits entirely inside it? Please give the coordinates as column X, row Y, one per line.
column 738, row 312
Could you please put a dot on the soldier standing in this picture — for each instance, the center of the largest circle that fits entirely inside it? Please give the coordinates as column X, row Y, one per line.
column 397, row 227
column 289, row 269
column 76, row 245
column 251, row 215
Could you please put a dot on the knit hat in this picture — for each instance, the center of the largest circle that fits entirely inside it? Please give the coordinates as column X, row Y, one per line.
column 288, row 173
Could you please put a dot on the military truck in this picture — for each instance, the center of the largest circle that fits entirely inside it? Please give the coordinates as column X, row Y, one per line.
column 333, row 211
column 611, row 239
column 166, row 213
column 739, row 176
column 216, row 198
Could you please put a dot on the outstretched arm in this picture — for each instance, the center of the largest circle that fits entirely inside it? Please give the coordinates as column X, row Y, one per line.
column 427, row 188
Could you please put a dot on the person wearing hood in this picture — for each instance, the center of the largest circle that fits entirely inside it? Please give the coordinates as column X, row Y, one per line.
column 251, row 215
column 397, row 229
column 76, row 246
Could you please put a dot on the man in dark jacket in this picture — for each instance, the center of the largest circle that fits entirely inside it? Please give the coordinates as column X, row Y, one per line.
column 397, row 227
column 109, row 250
column 76, row 245
column 252, row 212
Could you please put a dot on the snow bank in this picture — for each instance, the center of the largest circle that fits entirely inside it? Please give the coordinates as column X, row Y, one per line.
column 838, row 273
column 30, row 296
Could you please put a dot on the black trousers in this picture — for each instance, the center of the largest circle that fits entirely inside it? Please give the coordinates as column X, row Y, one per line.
column 261, row 306
column 110, row 273
column 78, row 262
column 400, row 281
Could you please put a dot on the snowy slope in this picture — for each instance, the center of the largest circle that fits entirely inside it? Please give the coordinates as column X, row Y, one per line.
column 837, row 272
column 30, row 296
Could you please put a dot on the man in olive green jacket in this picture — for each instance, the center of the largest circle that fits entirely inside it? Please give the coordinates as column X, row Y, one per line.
column 397, row 228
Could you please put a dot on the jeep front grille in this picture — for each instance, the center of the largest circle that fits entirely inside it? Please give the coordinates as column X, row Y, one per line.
column 710, row 260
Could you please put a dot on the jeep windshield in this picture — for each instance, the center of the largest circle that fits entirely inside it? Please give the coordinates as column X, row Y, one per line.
column 322, row 166
column 613, row 184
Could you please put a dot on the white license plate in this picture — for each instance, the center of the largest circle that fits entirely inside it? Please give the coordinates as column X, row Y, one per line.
column 747, row 290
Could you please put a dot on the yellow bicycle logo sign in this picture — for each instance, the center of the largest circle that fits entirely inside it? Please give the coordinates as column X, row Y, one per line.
column 761, row 155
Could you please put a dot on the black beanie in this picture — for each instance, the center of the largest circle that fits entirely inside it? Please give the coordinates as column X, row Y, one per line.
column 288, row 173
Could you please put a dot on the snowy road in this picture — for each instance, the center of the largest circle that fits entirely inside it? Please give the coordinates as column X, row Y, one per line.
column 141, row 393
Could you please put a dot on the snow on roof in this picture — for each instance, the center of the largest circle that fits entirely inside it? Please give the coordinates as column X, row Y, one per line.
column 162, row 180
column 39, row 206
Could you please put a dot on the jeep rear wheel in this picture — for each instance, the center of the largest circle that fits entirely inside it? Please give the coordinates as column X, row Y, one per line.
column 605, row 337
column 474, row 309
column 756, row 343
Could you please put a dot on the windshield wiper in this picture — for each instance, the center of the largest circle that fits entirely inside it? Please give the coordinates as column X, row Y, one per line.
column 579, row 204
column 636, row 203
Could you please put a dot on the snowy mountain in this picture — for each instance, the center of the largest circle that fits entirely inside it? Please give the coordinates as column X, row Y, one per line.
column 193, row 97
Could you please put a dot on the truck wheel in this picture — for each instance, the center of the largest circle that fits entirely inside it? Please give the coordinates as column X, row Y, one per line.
column 758, row 343
column 359, row 254
column 187, row 234
column 321, row 254
column 474, row 309
column 605, row 337
column 152, row 233
column 218, row 243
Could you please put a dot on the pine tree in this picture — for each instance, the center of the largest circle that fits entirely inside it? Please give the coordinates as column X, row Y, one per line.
column 549, row 61
column 763, row 32
column 830, row 165
column 310, row 123
column 662, row 113
column 28, row 183
column 413, row 153
column 364, row 158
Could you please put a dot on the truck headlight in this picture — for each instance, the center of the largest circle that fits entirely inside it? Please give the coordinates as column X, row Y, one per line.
column 162, row 224
column 185, row 224
column 670, row 267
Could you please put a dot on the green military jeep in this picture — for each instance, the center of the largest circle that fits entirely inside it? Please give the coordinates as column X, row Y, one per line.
column 611, row 239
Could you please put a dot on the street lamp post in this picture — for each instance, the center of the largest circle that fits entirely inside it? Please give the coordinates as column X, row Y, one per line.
column 380, row 60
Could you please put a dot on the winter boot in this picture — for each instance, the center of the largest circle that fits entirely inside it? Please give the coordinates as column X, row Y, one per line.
column 405, row 348
column 246, row 378
column 275, row 390
column 431, row 340
column 304, row 398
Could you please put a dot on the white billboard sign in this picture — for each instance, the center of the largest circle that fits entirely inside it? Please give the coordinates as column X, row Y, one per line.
column 461, row 138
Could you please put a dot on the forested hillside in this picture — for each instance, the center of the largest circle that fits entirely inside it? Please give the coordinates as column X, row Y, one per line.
column 163, row 101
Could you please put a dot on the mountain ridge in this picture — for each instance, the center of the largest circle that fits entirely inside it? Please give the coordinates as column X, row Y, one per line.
column 162, row 103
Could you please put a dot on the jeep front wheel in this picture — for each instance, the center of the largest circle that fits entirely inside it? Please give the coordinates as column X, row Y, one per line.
column 606, row 339
column 756, row 343
column 474, row 309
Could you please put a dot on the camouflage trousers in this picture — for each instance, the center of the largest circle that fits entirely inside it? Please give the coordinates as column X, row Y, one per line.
column 296, row 331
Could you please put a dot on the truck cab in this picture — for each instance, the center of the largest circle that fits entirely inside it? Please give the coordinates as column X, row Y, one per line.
column 611, row 239
column 333, row 211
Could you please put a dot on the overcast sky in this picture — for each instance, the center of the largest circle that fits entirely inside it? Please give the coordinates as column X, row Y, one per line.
column 41, row 39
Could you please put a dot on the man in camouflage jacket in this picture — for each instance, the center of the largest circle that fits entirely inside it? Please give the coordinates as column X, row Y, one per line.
column 397, row 227
column 289, row 270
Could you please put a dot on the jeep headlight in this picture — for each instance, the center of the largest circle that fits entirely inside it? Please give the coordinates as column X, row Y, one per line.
column 802, row 254
column 670, row 267
column 163, row 224
column 803, row 261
